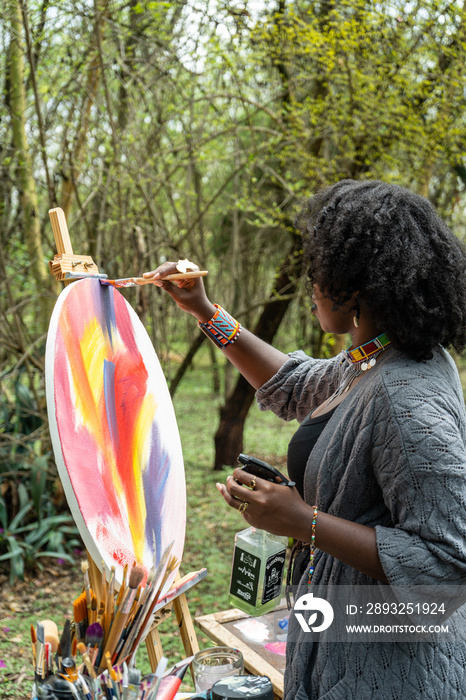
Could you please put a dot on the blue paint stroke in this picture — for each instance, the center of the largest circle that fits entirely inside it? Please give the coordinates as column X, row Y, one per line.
column 104, row 307
column 110, row 407
column 154, row 479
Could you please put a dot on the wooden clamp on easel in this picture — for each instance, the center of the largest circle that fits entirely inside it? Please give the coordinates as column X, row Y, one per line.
column 67, row 262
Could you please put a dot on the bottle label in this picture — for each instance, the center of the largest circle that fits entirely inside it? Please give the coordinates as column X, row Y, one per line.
column 273, row 576
column 245, row 576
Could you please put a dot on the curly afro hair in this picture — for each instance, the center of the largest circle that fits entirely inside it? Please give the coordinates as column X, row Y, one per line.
column 390, row 246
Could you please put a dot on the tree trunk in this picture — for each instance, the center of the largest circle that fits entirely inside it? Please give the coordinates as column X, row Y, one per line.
column 71, row 173
column 24, row 169
column 229, row 435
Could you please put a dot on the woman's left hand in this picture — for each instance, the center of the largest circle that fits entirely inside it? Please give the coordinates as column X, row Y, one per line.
column 273, row 507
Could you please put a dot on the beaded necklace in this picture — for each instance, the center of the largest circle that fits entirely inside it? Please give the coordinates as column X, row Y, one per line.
column 361, row 359
column 367, row 354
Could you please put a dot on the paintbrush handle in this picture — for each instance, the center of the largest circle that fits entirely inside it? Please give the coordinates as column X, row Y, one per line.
column 143, row 626
column 185, row 275
column 122, row 590
column 87, row 588
column 119, row 622
column 127, row 640
column 126, row 282
column 116, row 631
column 138, row 281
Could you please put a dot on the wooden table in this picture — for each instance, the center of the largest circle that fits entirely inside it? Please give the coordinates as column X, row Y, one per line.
column 222, row 628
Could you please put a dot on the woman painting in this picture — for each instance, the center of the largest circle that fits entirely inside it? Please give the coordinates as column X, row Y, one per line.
column 379, row 458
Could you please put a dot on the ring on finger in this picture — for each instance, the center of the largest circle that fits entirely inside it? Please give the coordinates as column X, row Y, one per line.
column 243, row 506
column 252, row 483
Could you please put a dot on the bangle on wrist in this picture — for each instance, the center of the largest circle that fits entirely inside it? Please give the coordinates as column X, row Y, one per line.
column 222, row 329
column 313, row 546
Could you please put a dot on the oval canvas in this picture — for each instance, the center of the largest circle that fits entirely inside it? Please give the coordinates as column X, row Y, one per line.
column 113, row 429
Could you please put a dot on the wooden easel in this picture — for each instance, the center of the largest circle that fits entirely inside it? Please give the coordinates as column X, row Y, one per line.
column 175, row 600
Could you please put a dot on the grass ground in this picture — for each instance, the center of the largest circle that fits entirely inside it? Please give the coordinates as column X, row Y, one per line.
column 210, row 531
column 211, row 527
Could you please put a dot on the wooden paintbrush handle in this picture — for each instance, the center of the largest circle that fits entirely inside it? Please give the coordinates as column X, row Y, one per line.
column 186, row 275
column 123, row 613
column 116, row 630
column 173, row 277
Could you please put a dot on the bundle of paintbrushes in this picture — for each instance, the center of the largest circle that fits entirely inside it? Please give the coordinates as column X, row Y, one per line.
column 107, row 629
column 120, row 683
column 120, row 622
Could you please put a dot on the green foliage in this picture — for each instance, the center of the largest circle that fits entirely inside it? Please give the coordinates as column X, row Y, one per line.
column 373, row 90
column 21, row 428
column 31, row 530
column 27, row 544
column 209, row 122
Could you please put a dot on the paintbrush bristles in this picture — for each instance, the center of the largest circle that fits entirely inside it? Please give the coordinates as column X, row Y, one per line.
column 111, row 671
column 80, row 608
column 135, row 577
column 80, row 616
column 93, row 612
column 94, row 635
column 87, row 585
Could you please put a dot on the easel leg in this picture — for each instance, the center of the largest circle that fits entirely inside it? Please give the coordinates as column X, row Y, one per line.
column 186, row 627
column 154, row 648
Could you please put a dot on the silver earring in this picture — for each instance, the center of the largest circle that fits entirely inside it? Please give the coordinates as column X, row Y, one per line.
column 357, row 316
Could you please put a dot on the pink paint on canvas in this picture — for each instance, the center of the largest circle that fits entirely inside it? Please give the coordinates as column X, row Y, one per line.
column 276, row 648
column 113, row 429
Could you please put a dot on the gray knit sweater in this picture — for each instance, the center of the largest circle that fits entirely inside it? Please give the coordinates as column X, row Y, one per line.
column 392, row 457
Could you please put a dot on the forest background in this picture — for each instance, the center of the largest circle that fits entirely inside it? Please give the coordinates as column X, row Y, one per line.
column 195, row 129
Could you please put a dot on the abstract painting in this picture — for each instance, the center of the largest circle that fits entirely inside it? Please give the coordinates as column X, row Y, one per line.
column 113, row 428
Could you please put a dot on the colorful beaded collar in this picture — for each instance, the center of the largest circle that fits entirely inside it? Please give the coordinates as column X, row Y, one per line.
column 367, row 353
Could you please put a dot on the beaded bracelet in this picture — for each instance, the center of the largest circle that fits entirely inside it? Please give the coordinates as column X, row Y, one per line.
column 313, row 546
column 222, row 328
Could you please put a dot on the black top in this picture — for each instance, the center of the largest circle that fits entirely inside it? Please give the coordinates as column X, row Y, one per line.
column 301, row 445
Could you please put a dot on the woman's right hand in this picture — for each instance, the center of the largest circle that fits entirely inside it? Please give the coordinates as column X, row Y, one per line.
column 189, row 293
column 257, row 361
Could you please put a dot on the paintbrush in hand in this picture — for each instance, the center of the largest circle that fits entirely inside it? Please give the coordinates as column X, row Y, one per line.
column 138, row 281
